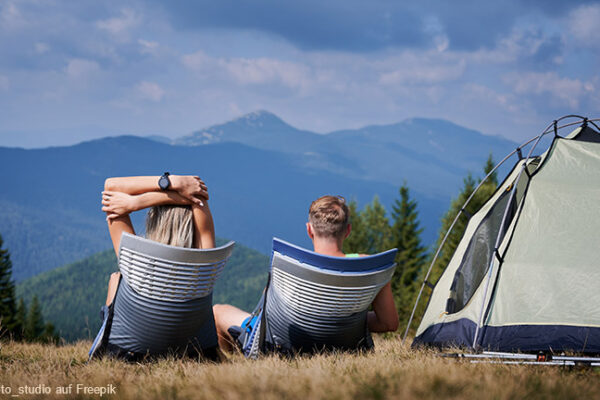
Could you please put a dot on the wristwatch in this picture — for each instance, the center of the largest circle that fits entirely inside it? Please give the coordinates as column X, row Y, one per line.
column 164, row 182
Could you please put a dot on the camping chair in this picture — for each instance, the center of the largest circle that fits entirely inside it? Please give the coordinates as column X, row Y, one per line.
column 314, row 302
column 163, row 303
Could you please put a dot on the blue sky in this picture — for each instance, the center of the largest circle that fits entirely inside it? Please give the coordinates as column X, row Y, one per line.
column 75, row 70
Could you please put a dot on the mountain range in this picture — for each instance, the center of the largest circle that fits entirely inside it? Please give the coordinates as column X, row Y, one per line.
column 262, row 175
column 431, row 155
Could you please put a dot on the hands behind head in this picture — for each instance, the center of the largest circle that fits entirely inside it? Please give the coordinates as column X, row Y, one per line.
column 191, row 187
column 116, row 204
column 189, row 190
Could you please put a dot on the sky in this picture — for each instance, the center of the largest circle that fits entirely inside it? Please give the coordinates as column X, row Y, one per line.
column 72, row 71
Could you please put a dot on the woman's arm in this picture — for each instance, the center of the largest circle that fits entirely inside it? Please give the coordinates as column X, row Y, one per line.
column 116, row 227
column 384, row 317
column 118, row 206
column 204, row 226
column 190, row 187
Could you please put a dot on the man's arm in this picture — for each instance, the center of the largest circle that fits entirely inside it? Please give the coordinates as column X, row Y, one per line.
column 190, row 187
column 384, row 317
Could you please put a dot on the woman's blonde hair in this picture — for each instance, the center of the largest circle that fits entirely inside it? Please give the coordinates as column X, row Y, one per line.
column 173, row 225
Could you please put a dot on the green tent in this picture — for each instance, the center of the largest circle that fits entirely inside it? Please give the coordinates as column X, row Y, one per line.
column 526, row 273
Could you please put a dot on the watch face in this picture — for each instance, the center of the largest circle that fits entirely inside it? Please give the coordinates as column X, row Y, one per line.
column 163, row 182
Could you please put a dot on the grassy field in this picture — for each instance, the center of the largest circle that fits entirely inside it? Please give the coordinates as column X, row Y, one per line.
column 392, row 371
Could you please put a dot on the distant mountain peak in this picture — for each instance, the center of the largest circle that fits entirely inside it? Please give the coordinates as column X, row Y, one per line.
column 258, row 114
column 259, row 122
column 259, row 118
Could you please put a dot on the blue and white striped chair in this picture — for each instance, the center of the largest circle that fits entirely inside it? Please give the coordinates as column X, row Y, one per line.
column 315, row 302
column 163, row 303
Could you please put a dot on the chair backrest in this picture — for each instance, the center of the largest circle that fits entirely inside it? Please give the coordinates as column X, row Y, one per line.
column 320, row 302
column 164, row 301
column 170, row 273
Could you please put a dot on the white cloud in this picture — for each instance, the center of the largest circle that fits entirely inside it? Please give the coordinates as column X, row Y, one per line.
column 150, row 91
column 583, row 24
column 120, row 26
column 41, row 48
column 148, row 47
column 520, row 43
column 569, row 91
column 78, row 68
column 415, row 68
column 197, row 60
column 267, row 70
column 252, row 71
column 10, row 16
column 481, row 93
column 434, row 28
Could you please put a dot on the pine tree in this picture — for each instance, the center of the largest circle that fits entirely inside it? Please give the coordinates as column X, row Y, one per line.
column 34, row 326
column 411, row 255
column 376, row 227
column 21, row 318
column 489, row 166
column 356, row 242
column 49, row 334
column 371, row 231
column 8, row 320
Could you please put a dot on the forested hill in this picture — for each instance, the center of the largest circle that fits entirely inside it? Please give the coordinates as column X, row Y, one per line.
column 71, row 296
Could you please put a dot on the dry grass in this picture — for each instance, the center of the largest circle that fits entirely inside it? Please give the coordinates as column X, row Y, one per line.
column 392, row 371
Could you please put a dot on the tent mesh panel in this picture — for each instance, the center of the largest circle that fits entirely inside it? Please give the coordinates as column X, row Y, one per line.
column 478, row 256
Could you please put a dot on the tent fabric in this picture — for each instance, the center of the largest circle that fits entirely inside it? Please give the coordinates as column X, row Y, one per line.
column 543, row 291
column 512, row 338
column 551, row 271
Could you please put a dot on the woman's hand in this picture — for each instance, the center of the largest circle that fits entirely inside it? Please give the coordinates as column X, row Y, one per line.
column 190, row 187
column 116, row 204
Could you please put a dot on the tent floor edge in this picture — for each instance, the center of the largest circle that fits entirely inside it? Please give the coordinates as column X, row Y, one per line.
column 551, row 339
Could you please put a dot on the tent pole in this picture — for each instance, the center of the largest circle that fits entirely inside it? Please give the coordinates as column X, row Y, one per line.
column 519, row 358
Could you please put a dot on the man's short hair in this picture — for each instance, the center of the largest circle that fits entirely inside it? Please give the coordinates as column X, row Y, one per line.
column 328, row 216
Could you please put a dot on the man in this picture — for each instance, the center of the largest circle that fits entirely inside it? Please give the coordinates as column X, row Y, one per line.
column 327, row 227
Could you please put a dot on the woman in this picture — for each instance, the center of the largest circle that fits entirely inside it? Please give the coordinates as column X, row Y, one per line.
column 179, row 214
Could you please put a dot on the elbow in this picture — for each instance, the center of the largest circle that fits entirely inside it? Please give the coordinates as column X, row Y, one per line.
column 388, row 326
column 379, row 325
column 109, row 184
column 392, row 326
